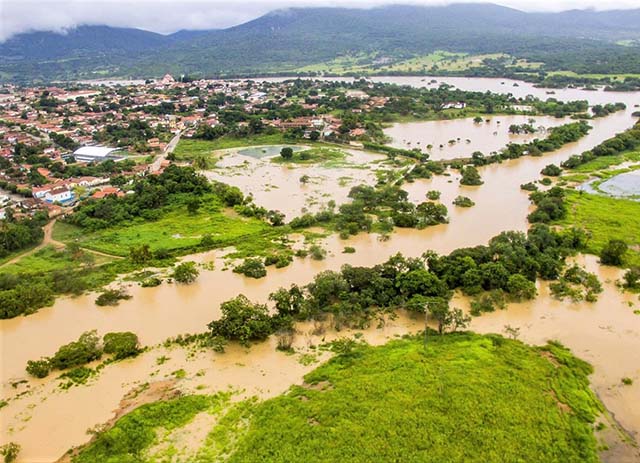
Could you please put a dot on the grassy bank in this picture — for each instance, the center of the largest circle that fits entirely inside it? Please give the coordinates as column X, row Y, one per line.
column 177, row 231
column 463, row 398
column 605, row 218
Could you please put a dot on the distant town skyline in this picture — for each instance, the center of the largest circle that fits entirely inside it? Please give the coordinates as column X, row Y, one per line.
column 167, row 16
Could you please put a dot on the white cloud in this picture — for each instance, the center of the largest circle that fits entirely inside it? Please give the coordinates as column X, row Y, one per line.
column 166, row 16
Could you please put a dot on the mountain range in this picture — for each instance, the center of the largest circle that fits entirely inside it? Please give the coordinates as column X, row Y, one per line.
column 285, row 40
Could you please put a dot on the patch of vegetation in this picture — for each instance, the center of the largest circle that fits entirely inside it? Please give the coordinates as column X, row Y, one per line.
column 404, row 400
column 137, row 431
column 86, row 349
column 111, row 297
column 577, row 284
column 311, row 156
column 185, row 273
column 463, row 201
column 594, row 214
column 251, row 267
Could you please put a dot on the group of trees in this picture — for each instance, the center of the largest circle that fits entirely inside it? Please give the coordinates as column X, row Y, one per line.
column 508, row 265
column 151, row 193
column 86, row 349
column 558, row 136
column 16, row 235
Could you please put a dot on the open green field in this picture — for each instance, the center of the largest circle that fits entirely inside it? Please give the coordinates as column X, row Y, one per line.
column 188, row 148
column 462, row 398
column 604, row 162
column 605, row 218
column 327, row 157
column 438, row 60
column 177, row 230
column 48, row 259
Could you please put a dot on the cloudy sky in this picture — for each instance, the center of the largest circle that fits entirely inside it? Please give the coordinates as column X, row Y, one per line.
column 166, row 16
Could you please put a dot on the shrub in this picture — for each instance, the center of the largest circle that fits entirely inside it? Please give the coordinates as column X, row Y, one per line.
column 286, row 152
column 520, row 288
column 38, row 368
column 186, row 273
column 613, row 252
column 317, row 253
column 76, row 353
column 10, row 452
column 631, row 278
column 251, row 267
column 470, row 176
column 151, row 282
column 433, row 195
column 111, row 297
column 529, row 186
column 463, row 201
column 348, row 250
column 551, row 170
column 627, row 381
column 121, row 345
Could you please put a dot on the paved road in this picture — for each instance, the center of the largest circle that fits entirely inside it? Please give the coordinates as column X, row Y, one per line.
column 155, row 167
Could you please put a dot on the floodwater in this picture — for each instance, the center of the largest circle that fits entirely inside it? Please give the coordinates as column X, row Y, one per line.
column 278, row 186
column 623, row 185
column 458, row 138
column 265, row 151
column 47, row 421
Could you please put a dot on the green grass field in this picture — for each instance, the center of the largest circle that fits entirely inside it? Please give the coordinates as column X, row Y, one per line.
column 606, row 218
column 188, row 149
column 325, row 156
column 463, row 398
column 177, row 230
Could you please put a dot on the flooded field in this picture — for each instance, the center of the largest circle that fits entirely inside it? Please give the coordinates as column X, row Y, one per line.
column 623, row 185
column 278, row 186
column 457, row 138
column 48, row 420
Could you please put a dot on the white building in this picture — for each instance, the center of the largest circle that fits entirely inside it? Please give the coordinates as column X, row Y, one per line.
column 59, row 195
column 96, row 154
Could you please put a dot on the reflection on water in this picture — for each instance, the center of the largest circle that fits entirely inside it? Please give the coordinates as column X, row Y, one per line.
column 260, row 152
column 48, row 421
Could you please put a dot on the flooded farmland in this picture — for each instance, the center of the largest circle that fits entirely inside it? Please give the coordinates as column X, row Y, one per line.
column 47, row 421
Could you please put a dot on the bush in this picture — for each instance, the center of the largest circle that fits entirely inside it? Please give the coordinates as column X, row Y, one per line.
column 111, row 297
column 631, row 278
column 463, row 201
column 551, row 170
column 433, row 195
column 121, row 345
column 151, row 282
column 251, row 267
column 317, row 253
column 529, row 186
column 10, row 452
column 520, row 288
column 613, row 252
column 286, row 152
column 84, row 350
column 470, row 176
column 38, row 368
column 348, row 250
column 186, row 273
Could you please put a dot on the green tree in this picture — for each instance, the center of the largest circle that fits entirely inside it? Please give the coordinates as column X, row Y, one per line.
column 520, row 288
column 613, row 252
column 121, row 345
column 242, row 321
column 286, row 152
column 186, row 273
column 470, row 176
column 193, row 204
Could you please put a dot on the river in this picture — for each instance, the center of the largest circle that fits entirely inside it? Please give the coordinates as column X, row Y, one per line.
column 47, row 421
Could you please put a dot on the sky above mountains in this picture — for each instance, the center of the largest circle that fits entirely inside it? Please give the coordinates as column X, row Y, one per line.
column 166, row 16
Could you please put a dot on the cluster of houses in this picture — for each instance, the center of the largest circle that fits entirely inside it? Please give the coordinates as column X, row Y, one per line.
column 43, row 116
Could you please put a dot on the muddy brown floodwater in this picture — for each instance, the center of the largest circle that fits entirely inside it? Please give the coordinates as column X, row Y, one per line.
column 457, row 138
column 46, row 421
